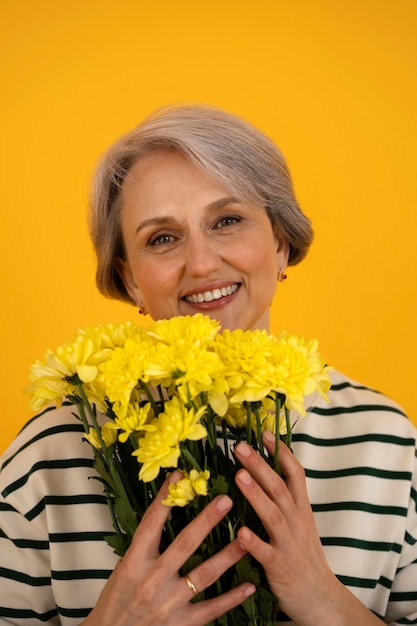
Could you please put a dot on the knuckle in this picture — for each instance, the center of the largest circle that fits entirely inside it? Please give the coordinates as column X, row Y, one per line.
column 274, row 518
column 205, row 576
column 150, row 520
column 184, row 542
column 269, row 560
column 149, row 590
column 162, row 614
column 278, row 489
column 214, row 610
column 299, row 472
column 256, row 461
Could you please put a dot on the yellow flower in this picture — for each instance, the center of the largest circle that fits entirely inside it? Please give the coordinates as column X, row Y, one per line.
column 135, row 420
column 299, row 370
column 79, row 356
column 190, row 366
column 108, row 434
column 47, row 389
column 236, row 416
column 195, row 329
column 180, row 493
column 185, row 490
column 184, row 355
column 122, row 371
column 199, row 481
column 160, row 447
column 246, row 363
column 50, row 377
column 113, row 335
column 256, row 363
column 93, row 439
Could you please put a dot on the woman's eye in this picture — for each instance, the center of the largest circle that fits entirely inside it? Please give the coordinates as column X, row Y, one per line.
column 229, row 220
column 161, row 240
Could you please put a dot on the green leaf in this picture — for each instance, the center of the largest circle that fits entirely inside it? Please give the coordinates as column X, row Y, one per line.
column 119, row 543
column 220, row 486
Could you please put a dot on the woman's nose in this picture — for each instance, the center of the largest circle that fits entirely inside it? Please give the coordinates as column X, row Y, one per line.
column 202, row 256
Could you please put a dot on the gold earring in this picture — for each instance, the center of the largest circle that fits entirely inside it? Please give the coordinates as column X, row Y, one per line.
column 281, row 275
column 142, row 310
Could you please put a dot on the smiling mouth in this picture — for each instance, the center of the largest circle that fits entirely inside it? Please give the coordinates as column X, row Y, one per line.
column 209, row 296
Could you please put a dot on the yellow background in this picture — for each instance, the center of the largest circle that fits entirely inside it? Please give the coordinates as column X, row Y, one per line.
column 333, row 82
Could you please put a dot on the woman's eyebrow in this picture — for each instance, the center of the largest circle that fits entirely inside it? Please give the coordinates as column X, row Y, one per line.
column 162, row 220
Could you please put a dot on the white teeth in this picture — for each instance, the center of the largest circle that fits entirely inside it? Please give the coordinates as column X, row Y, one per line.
column 209, row 296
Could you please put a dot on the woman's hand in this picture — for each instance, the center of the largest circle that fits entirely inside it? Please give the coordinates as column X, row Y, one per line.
column 146, row 588
column 294, row 561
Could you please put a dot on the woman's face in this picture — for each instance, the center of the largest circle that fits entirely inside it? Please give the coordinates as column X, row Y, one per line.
column 193, row 248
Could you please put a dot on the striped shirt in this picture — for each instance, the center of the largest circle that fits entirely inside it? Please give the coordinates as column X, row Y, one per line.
column 359, row 454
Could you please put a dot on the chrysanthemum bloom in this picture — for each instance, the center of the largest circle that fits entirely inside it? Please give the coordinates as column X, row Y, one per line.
column 299, row 370
column 81, row 357
column 135, row 420
column 184, row 355
column 194, row 329
column 199, row 481
column 124, row 369
column 113, row 335
column 51, row 377
column 246, row 363
column 160, row 447
column 108, row 434
column 186, row 489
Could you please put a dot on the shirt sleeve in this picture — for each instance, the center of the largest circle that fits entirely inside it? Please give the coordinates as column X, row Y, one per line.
column 25, row 591
column 402, row 607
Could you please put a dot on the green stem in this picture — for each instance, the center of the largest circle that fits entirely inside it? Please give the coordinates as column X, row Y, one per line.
column 255, row 408
column 150, row 397
column 210, row 423
column 83, row 417
column 190, row 457
column 225, row 441
column 248, row 423
column 277, row 420
column 288, row 438
column 161, row 394
column 110, row 462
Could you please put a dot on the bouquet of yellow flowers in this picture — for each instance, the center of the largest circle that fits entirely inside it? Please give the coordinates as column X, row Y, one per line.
column 180, row 394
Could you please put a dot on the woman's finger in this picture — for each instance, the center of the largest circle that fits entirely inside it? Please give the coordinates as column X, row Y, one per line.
column 264, row 476
column 191, row 537
column 270, row 508
column 147, row 537
column 204, row 575
column 207, row 611
column 293, row 471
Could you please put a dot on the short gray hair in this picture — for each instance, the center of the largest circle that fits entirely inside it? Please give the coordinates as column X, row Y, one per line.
column 226, row 148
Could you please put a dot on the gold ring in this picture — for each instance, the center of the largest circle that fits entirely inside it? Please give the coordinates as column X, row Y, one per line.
column 191, row 586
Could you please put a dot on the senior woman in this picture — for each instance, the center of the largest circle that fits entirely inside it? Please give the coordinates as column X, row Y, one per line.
column 194, row 211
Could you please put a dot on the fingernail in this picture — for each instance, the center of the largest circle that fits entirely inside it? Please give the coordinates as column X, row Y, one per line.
column 243, row 449
column 249, row 590
column 174, row 477
column 269, row 437
column 244, row 534
column 245, row 477
column 223, row 503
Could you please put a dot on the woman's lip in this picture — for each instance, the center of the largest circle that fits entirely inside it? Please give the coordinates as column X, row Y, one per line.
column 214, row 294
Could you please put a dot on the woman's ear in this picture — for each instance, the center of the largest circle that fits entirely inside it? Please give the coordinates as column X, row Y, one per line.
column 125, row 273
column 282, row 249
